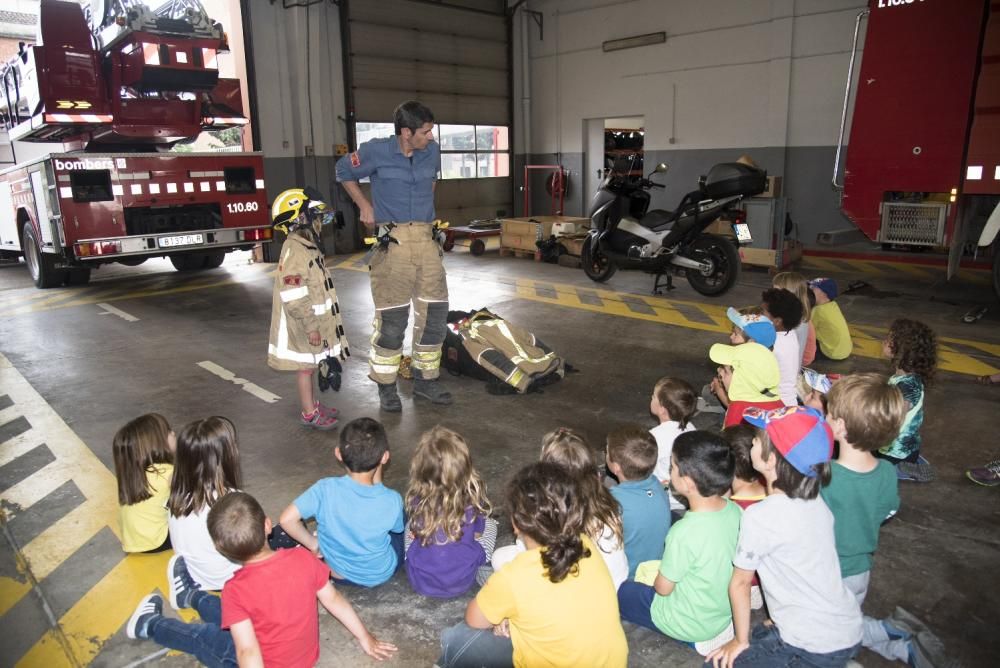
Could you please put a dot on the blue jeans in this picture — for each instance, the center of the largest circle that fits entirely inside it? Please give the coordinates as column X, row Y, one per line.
column 207, row 642
column 463, row 646
column 396, row 541
column 634, row 603
column 768, row 650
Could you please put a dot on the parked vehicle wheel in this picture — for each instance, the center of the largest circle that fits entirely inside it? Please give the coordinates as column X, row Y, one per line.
column 42, row 266
column 477, row 247
column 132, row 261
column 725, row 261
column 188, row 261
column 77, row 276
column 596, row 265
column 214, row 259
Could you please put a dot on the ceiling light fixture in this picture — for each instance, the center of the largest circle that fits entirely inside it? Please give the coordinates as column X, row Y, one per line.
column 632, row 42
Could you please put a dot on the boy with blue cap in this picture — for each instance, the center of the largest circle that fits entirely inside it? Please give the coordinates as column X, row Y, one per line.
column 788, row 539
column 749, row 374
column 833, row 337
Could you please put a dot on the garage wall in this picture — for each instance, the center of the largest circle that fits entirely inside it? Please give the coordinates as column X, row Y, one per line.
column 297, row 60
column 763, row 77
column 453, row 57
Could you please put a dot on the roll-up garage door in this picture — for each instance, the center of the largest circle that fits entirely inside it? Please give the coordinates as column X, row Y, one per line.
column 454, row 59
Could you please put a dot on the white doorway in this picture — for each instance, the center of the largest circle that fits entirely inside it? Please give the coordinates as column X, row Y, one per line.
column 607, row 139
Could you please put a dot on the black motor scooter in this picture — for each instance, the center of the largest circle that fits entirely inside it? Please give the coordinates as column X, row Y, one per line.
column 625, row 234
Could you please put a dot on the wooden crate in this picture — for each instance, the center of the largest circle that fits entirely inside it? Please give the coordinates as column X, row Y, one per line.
column 572, row 244
column 522, row 233
column 767, row 257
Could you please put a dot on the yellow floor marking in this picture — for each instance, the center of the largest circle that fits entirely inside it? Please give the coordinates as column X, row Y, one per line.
column 102, row 610
column 11, row 591
column 60, row 540
column 820, row 263
column 36, row 487
column 867, row 267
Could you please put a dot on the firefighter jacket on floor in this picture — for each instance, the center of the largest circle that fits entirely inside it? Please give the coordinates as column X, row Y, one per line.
column 408, row 270
column 303, row 301
column 511, row 353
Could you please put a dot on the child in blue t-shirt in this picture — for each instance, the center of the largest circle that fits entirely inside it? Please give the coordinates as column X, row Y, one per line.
column 631, row 457
column 359, row 521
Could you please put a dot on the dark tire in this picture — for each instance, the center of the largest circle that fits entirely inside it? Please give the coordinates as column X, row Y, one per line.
column 188, row 262
column 477, row 247
column 41, row 266
column 448, row 245
column 132, row 261
column 596, row 265
column 726, row 265
column 214, row 259
column 77, row 276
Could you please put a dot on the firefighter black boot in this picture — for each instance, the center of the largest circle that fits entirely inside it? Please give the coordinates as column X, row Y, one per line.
column 432, row 391
column 388, row 398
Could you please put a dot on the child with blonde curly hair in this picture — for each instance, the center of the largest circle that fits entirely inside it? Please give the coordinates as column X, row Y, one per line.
column 603, row 519
column 911, row 347
column 450, row 535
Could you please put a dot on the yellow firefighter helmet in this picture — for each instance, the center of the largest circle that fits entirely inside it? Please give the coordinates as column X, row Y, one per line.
column 298, row 206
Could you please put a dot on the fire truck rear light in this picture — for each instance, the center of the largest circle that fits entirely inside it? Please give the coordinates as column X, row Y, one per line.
column 954, row 191
column 96, row 248
column 974, row 173
column 261, row 234
column 952, row 198
column 996, row 173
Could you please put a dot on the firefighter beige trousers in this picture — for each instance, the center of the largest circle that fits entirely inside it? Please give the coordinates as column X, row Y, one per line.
column 409, row 271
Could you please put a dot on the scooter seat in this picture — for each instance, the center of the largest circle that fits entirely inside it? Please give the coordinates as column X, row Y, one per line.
column 657, row 219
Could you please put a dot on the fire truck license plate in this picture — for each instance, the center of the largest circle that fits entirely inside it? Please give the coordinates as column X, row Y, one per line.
column 181, row 240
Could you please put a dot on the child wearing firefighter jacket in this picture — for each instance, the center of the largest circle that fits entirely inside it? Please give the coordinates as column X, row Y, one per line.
column 305, row 316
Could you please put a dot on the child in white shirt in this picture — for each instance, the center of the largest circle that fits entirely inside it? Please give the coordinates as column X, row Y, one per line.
column 673, row 403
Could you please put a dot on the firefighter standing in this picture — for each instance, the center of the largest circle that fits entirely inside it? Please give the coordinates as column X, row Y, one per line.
column 403, row 172
column 305, row 316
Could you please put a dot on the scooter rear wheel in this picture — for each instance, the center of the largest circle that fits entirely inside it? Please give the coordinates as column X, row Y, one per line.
column 596, row 265
column 725, row 260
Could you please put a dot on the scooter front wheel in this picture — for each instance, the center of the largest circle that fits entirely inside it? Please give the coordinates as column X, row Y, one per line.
column 596, row 265
column 725, row 261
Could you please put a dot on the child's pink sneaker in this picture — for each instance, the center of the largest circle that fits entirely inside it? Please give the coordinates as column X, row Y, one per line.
column 318, row 420
column 328, row 411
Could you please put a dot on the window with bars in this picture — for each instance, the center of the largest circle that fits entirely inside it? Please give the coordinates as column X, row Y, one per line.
column 467, row 151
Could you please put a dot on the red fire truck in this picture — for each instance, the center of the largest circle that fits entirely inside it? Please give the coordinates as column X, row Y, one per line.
column 923, row 160
column 99, row 100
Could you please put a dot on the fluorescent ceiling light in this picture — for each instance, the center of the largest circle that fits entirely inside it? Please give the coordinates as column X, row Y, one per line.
column 632, row 42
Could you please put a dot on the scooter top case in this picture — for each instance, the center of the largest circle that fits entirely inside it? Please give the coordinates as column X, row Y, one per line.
column 727, row 179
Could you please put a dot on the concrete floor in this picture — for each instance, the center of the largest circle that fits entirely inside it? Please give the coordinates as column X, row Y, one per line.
column 937, row 558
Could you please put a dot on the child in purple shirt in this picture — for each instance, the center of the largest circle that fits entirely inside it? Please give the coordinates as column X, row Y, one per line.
column 450, row 536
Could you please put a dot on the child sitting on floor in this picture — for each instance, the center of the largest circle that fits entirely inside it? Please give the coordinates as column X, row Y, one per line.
column 207, row 468
column 631, row 456
column 865, row 414
column 450, row 535
column 359, row 521
column 673, row 403
column 749, row 375
column 268, row 606
column 912, row 348
column 602, row 515
column 832, row 334
column 688, row 600
column 143, row 452
column 796, row 283
column 554, row 604
column 788, row 539
column 785, row 311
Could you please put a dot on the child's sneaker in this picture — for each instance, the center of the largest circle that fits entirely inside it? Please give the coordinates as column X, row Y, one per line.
column 918, row 471
column 328, row 411
column 182, row 585
column 987, row 476
column 318, row 420
column 148, row 609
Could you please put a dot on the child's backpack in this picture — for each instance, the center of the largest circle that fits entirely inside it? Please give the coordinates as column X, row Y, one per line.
column 482, row 345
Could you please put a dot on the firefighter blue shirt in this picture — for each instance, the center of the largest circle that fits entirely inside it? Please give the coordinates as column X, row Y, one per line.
column 402, row 188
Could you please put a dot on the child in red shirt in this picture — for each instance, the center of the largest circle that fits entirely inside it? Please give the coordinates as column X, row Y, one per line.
column 268, row 606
